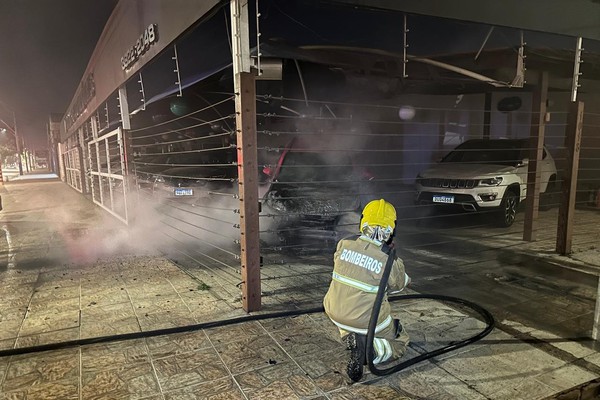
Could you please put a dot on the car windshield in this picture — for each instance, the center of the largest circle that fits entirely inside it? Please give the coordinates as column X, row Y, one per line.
column 499, row 152
column 312, row 167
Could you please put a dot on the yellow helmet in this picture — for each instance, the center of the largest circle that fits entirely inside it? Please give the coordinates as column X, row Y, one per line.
column 378, row 213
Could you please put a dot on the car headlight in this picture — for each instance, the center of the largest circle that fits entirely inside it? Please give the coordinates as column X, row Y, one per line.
column 491, row 181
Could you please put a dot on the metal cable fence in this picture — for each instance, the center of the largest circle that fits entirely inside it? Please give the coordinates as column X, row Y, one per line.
column 185, row 168
column 457, row 177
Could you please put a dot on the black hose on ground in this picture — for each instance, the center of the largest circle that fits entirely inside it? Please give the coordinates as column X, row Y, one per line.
column 488, row 318
column 190, row 328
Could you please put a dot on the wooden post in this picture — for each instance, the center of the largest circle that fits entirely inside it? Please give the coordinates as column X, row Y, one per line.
column 569, row 186
column 245, row 101
column 245, row 122
column 536, row 151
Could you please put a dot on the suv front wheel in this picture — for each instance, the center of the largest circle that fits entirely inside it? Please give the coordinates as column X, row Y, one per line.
column 508, row 209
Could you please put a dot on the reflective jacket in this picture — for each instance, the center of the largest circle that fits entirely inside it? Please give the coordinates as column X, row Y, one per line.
column 358, row 266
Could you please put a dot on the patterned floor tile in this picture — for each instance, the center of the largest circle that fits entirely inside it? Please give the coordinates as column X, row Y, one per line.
column 42, row 322
column 283, row 380
column 327, row 369
column 168, row 345
column 306, row 341
column 364, row 392
column 160, row 303
column 251, row 353
column 131, row 381
column 165, row 319
column 103, row 296
column 230, row 333
column 60, row 390
column 217, row 389
column 288, row 323
column 104, row 356
column 41, row 368
column 56, row 306
column 108, row 320
column 48, row 337
column 3, row 368
column 178, row 371
column 10, row 328
column 7, row 343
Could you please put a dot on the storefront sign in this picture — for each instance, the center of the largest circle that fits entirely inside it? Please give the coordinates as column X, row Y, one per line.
column 146, row 39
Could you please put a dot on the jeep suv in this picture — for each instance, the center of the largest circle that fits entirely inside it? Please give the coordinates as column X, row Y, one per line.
column 484, row 175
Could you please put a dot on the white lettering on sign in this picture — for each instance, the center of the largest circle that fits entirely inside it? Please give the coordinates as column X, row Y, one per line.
column 146, row 39
column 361, row 260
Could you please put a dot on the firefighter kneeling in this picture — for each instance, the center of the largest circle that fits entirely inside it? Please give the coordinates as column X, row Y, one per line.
column 357, row 270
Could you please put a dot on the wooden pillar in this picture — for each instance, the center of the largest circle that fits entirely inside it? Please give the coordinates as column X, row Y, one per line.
column 248, row 190
column 245, row 122
column 569, row 185
column 536, row 151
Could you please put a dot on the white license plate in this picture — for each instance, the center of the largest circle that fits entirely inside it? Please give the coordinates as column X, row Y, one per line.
column 184, row 192
column 443, row 199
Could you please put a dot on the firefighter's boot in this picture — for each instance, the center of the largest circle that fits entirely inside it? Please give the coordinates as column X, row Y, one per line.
column 357, row 345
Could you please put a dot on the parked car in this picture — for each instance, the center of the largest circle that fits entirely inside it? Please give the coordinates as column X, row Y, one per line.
column 484, row 175
column 186, row 176
column 313, row 197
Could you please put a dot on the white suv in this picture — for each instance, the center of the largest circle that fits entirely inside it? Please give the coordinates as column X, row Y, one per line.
column 484, row 174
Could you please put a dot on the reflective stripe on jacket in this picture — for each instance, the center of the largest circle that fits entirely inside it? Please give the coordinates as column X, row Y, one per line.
column 357, row 269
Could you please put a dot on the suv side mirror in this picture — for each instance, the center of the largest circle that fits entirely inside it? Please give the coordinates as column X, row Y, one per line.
column 523, row 162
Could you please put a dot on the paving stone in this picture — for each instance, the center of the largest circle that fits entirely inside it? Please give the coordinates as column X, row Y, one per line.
column 41, row 368
column 427, row 381
column 188, row 369
column 327, row 369
column 178, row 343
column 251, row 352
column 44, row 322
column 103, row 297
column 104, row 356
column 230, row 333
column 288, row 323
column 217, row 389
column 306, row 341
column 576, row 349
column 43, row 305
column 530, row 389
column 131, row 381
column 39, row 339
column 282, row 380
column 60, row 390
column 362, row 392
column 166, row 319
column 565, row 377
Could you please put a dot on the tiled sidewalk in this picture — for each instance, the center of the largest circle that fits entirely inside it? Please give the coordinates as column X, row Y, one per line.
column 290, row 358
column 44, row 300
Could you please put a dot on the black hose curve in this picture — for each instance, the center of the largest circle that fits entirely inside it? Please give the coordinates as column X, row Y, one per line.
column 248, row 318
column 487, row 316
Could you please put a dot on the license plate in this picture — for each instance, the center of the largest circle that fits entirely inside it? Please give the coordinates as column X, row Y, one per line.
column 184, row 192
column 443, row 199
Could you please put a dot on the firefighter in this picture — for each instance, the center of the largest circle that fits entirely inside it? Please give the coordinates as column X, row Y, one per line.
column 358, row 266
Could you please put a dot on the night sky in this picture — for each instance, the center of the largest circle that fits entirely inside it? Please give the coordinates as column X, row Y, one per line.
column 44, row 49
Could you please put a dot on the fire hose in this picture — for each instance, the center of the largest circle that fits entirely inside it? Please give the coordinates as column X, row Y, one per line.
column 489, row 319
column 487, row 316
